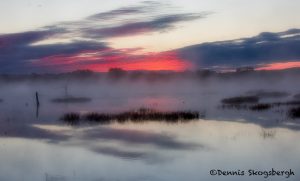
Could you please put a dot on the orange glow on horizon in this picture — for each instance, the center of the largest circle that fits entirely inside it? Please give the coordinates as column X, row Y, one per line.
column 279, row 66
column 102, row 63
column 150, row 63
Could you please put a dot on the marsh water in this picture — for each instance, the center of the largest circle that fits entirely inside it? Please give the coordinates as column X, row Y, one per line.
column 36, row 145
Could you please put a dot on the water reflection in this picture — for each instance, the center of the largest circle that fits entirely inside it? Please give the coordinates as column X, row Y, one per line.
column 135, row 151
column 38, row 148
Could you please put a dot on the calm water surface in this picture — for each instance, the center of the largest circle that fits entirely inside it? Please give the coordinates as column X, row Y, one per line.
column 36, row 147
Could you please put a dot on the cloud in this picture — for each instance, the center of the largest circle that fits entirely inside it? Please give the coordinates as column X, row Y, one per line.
column 19, row 39
column 265, row 48
column 21, row 57
column 159, row 24
column 144, row 8
column 84, row 42
column 147, row 17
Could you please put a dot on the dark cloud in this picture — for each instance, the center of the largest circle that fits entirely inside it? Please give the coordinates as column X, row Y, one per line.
column 159, row 24
column 262, row 49
column 147, row 17
column 143, row 8
column 20, row 57
column 19, row 39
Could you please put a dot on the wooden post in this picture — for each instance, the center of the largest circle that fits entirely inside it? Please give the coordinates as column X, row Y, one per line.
column 37, row 99
column 37, row 104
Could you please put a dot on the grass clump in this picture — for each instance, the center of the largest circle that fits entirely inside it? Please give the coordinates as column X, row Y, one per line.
column 268, row 94
column 140, row 115
column 297, row 96
column 294, row 112
column 241, row 100
column 98, row 118
column 71, row 118
column 260, row 107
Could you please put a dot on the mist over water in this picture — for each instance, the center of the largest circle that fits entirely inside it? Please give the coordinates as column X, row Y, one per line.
column 154, row 150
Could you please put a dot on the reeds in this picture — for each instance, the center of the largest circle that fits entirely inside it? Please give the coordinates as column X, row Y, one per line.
column 294, row 112
column 268, row 94
column 260, row 107
column 252, row 107
column 71, row 118
column 240, row 100
column 140, row 115
column 297, row 96
column 251, row 103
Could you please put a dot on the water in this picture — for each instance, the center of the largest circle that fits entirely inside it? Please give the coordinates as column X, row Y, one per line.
column 41, row 147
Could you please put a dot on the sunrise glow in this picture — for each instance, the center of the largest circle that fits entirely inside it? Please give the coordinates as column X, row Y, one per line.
column 279, row 66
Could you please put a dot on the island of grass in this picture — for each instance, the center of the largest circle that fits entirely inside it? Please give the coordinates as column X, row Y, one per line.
column 260, row 107
column 267, row 94
column 297, row 96
column 241, row 100
column 71, row 99
column 140, row 115
column 294, row 112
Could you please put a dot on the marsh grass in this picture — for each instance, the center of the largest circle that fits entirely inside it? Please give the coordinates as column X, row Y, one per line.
column 251, row 103
column 260, row 107
column 71, row 118
column 268, row 134
column 140, row 115
column 287, row 103
column 297, row 96
column 294, row 112
column 234, row 106
column 252, row 107
column 241, row 100
column 268, row 94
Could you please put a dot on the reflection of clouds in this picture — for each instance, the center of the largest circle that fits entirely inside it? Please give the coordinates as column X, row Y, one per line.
column 30, row 132
column 140, row 140
column 130, row 136
column 88, row 138
column 133, row 144
column 148, row 157
column 119, row 153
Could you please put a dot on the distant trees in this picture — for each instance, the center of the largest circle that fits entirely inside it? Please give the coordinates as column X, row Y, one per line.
column 204, row 73
column 82, row 73
column 245, row 69
column 116, row 73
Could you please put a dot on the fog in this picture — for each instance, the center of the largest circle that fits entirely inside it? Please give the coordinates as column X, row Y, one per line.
column 122, row 94
column 56, row 150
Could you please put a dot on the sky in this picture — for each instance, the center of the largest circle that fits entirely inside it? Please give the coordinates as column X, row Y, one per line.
column 65, row 35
